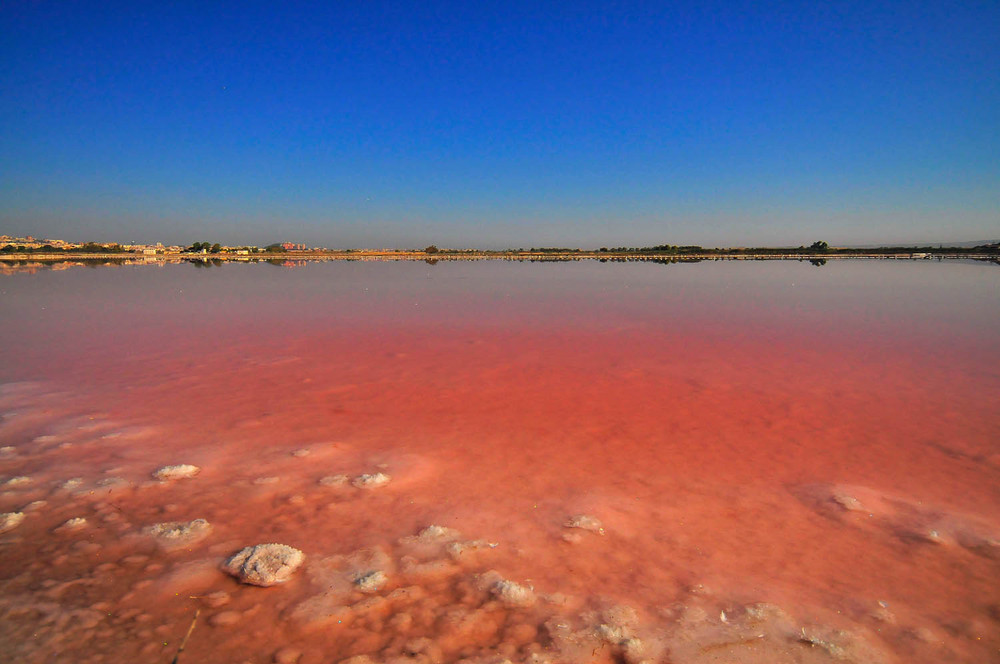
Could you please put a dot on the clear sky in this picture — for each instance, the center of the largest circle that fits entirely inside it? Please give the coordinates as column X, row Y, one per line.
column 350, row 124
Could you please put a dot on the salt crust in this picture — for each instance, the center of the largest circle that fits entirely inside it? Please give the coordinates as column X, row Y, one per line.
column 10, row 521
column 175, row 534
column 371, row 481
column 264, row 564
column 178, row 472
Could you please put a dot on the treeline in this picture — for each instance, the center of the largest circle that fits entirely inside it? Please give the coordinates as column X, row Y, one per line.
column 819, row 248
column 209, row 248
column 659, row 249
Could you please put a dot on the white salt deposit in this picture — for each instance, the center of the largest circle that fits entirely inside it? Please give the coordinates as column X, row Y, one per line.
column 178, row 472
column 513, row 594
column 264, row 564
column 371, row 481
column 176, row 534
column 585, row 522
column 73, row 524
column 371, row 581
column 334, row 480
column 10, row 521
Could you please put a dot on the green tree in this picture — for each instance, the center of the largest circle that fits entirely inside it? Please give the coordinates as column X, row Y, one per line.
column 431, row 250
column 216, row 248
column 819, row 247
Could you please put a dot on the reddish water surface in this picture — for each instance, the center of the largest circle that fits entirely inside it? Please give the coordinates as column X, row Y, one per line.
column 788, row 463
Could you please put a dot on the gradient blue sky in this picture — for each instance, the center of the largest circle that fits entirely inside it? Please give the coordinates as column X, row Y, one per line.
column 501, row 124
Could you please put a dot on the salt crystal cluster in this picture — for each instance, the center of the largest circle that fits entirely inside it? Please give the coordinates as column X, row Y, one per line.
column 264, row 564
column 178, row 472
column 371, row 481
column 10, row 521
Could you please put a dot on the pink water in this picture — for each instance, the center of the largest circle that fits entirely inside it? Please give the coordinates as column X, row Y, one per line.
column 823, row 440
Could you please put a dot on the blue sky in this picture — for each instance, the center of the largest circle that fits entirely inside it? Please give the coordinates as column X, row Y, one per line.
column 501, row 124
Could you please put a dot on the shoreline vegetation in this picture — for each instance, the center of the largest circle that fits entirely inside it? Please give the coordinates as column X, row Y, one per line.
column 817, row 253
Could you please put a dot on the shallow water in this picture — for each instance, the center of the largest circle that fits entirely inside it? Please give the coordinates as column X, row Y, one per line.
column 820, row 440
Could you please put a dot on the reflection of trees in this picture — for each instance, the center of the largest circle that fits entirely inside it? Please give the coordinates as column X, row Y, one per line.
column 206, row 262
column 431, row 261
column 818, row 262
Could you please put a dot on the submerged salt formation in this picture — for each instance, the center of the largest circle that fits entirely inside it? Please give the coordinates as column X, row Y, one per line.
column 585, row 522
column 10, row 521
column 263, row 481
column 370, row 581
column 178, row 472
column 264, row 564
column 176, row 534
column 75, row 523
column 371, row 481
column 432, row 534
column 903, row 518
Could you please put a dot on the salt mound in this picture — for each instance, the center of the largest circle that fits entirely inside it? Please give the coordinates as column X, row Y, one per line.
column 371, row 581
column 372, row 481
column 333, row 480
column 179, row 472
column 432, row 534
column 176, row 534
column 905, row 518
column 264, row 564
column 585, row 522
column 73, row 524
column 261, row 481
column 10, row 521
column 513, row 594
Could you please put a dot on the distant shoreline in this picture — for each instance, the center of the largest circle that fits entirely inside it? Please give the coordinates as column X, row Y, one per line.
column 486, row 255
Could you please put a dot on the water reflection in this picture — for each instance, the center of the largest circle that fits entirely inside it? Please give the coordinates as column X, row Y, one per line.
column 22, row 265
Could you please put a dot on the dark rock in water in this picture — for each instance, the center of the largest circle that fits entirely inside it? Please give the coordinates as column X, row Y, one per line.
column 264, row 564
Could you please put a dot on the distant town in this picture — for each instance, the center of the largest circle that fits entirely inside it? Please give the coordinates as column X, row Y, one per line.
column 48, row 249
